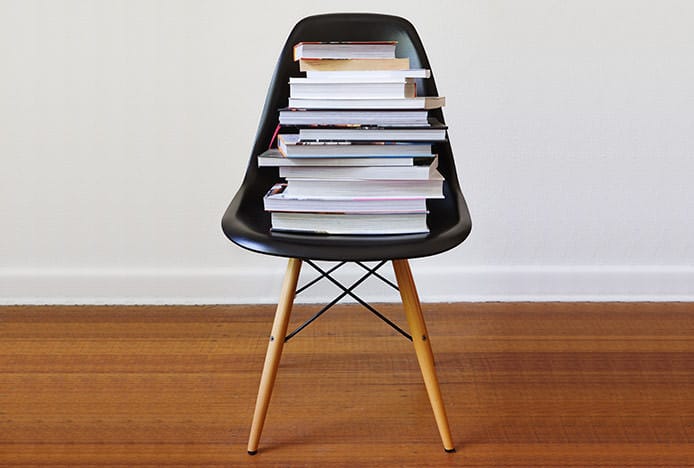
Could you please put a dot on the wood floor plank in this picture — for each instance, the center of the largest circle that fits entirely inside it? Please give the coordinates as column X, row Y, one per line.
column 552, row 384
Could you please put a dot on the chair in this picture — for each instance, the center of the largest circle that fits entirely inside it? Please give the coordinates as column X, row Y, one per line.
column 247, row 224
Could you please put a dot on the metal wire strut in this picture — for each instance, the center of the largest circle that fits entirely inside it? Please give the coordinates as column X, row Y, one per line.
column 347, row 291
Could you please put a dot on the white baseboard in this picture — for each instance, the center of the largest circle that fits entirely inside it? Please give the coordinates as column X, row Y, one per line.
column 244, row 286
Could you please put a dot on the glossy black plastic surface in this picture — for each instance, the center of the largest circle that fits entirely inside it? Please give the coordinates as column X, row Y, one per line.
column 247, row 224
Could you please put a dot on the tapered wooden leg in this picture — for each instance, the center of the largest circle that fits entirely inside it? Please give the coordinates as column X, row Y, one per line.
column 274, row 351
column 420, row 338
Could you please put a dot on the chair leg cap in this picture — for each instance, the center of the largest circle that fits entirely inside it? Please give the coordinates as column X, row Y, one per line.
column 252, row 452
column 449, row 450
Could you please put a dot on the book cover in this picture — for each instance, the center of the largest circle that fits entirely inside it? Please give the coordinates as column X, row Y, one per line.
column 344, row 49
column 420, row 171
column 317, row 64
column 351, row 188
column 436, row 131
column 352, row 90
column 353, row 117
column 273, row 158
column 277, row 200
column 351, row 224
column 367, row 75
column 291, row 147
column 418, row 102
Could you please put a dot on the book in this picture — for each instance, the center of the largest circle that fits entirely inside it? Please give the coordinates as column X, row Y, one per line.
column 384, row 118
column 351, row 90
column 362, row 80
column 435, row 132
column 419, row 102
column 273, row 158
column 350, row 224
column 354, row 64
column 423, row 171
column 277, row 200
column 355, row 188
column 291, row 147
column 367, row 75
column 344, row 50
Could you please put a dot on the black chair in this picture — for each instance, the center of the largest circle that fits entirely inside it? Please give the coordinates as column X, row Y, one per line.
column 247, row 224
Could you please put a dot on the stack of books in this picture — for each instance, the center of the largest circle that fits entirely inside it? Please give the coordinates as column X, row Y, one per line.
column 356, row 147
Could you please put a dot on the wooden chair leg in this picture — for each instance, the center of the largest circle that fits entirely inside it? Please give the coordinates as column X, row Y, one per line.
column 422, row 346
column 274, row 351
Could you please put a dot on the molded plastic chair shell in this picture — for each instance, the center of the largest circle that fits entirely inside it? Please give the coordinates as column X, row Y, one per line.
column 247, row 224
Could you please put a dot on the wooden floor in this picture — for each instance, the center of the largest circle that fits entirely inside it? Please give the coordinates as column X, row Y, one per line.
column 524, row 385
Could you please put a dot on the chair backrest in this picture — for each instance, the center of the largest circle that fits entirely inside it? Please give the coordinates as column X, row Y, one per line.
column 449, row 218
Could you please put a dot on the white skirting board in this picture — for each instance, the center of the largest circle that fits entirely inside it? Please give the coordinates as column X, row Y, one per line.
column 244, row 286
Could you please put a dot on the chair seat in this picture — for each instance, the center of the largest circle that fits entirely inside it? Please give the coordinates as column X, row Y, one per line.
column 248, row 225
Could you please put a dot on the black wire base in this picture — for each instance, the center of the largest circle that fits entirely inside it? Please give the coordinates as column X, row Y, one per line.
column 347, row 291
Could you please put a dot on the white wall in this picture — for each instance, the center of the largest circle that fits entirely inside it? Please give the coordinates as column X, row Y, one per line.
column 125, row 127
